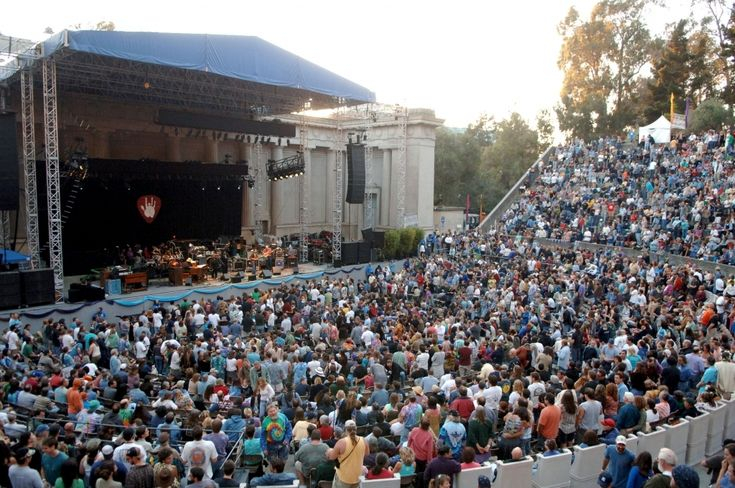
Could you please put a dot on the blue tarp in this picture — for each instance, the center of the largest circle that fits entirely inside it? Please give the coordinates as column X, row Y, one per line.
column 11, row 257
column 246, row 58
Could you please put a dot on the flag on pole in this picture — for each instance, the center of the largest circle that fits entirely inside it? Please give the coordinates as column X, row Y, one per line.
column 671, row 110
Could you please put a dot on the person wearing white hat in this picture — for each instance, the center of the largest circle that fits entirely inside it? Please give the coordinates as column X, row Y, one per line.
column 618, row 462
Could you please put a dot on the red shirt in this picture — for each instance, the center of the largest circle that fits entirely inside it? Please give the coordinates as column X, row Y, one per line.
column 465, row 356
column 464, row 406
column 383, row 475
column 422, row 443
column 326, row 431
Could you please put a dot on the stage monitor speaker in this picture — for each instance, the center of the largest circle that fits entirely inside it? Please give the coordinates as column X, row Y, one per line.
column 368, row 235
column 85, row 293
column 350, row 253
column 364, row 252
column 9, row 290
column 9, row 163
column 355, row 173
column 266, row 274
column 378, row 240
column 37, row 287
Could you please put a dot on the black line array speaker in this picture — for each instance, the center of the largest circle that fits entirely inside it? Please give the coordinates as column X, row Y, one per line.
column 37, row 287
column 364, row 252
column 9, row 290
column 350, row 253
column 355, row 173
column 9, row 174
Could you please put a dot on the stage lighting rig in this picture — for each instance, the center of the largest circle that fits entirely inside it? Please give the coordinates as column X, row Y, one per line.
column 286, row 167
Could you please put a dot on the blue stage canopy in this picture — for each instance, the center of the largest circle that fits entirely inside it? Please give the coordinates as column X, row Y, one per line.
column 245, row 58
column 11, row 257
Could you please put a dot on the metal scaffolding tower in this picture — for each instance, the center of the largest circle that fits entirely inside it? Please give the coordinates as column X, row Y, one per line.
column 53, row 186
column 304, row 189
column 402, row 116
column 260, row 182
column 338, row 191
column 29, row 167
column 369, row 201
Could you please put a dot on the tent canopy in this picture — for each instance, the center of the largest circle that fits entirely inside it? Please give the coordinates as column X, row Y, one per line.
column 11, row 257
column 660, row 130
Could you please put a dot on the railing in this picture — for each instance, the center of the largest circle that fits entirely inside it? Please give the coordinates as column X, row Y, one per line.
column 528, row 178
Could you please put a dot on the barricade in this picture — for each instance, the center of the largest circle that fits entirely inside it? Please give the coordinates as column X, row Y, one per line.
column 676, row 438
column 697, row 438
column 515, row 474
column 468, row 477
column 652, row 442
column 394, row 482
column 552, row 471
column 586, row 466
column 715, row 429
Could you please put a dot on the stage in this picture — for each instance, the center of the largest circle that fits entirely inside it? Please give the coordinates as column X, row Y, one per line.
column 135, row 303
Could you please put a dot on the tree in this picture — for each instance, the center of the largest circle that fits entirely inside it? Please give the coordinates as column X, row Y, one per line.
column 545, row 129
column 710, row 114
column 515, row 149
column 720, row 26
column 601, row 59
column 670, row 73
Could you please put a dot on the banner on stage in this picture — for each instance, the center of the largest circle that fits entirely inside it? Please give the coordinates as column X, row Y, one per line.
column 149, row 206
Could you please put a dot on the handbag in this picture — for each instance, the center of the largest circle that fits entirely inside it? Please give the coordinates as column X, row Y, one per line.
column 337, row 462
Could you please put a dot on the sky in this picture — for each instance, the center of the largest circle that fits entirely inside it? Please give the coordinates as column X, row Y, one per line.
column 461, row 58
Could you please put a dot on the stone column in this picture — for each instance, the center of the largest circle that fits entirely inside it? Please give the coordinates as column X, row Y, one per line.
column 330, row 185
column 385, row 190
column 211, row 150
column 275, row 194
column 173, row 148
column 102, row 143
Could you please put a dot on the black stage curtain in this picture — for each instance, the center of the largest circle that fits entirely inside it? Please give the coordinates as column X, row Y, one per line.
column 105, row 215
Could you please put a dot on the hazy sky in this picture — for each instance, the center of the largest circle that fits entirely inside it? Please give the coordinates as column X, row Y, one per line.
column 461, row 58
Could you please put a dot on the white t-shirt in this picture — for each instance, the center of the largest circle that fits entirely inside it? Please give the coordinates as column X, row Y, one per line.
column 13, row 340
column 199, row 454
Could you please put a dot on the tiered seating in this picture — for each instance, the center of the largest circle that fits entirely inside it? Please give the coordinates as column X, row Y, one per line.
column 676, row 438
column 715, row 429
column 468, row 477
column 586, row 466
column 515, row 474
column 652, row 442
column 697, row 439
column 553, row 471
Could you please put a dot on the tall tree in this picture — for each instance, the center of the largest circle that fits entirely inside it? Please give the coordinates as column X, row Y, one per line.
column 671, row 73
column 720, row 24
column 601, row 59
column 504, row 162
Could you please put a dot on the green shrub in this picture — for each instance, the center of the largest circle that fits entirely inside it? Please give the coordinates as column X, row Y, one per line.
column 392, row 244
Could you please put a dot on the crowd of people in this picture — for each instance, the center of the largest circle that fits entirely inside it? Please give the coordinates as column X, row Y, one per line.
column 483, row 347
column 676, row 198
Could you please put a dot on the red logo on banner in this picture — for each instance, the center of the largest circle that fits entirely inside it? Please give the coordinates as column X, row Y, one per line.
column 149, row 206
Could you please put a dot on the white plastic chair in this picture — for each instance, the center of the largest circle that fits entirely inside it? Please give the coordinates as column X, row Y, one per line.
column 468, row 477
column 715, row 429
column 586, row 466
column 729, row 430
column 553, row 471
column 697, row 439
column 631, row 443
column 394, row 482
column 676, row 438
column 652, row 442
column 515, row 474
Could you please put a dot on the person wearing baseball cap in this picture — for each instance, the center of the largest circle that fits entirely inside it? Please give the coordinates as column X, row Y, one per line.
column 618, row 462
column 684, row 477
column 604, row 480
column 21, row 474
column 609, row 432
column 118, row 475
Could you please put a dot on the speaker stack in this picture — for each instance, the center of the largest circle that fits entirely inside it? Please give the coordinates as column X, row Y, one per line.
column 10, row 290
column 37, row 287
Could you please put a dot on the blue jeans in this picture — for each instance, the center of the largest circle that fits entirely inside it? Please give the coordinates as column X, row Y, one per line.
column 276, row 451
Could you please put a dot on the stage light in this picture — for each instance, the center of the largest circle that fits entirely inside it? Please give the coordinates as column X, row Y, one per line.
column 239, row 187
column 203, row 188
column 219, row 188
column 248, row 139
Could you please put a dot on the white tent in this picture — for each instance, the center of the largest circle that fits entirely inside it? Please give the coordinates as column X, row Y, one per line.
column 660, row 130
